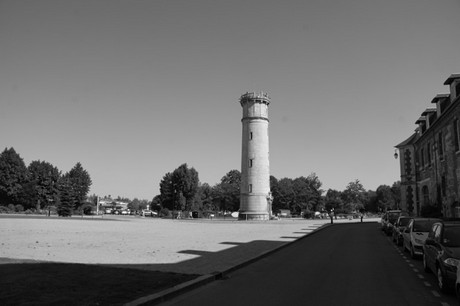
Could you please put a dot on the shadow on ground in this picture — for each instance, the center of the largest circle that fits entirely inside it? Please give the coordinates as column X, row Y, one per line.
column 28, row 282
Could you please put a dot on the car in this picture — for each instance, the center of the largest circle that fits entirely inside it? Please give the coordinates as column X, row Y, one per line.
column 398, row 229
column 415, row 234
column 457, row 285
column 149, row 213
column 441, row 252
column 391, row 218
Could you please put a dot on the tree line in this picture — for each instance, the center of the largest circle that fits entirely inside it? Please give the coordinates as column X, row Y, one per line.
column 181, row 190
column 41, row 186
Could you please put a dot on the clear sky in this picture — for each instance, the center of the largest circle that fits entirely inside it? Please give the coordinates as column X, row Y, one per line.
column 133, row 89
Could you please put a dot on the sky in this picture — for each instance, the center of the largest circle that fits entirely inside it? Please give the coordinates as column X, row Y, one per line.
column 133, row 89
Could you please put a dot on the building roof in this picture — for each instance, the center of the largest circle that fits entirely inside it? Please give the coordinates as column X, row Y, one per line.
column 421, row 119
column 428, row 111
column 440, row 97
column 451, row 78
column 408, row 141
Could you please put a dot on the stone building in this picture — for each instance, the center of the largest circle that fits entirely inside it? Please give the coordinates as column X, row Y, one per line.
column 430, row 158
column 255, row 196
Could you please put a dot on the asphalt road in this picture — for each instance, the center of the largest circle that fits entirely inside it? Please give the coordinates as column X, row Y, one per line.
column 343, row 264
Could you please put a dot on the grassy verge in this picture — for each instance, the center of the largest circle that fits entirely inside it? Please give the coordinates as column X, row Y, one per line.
column 78, row 284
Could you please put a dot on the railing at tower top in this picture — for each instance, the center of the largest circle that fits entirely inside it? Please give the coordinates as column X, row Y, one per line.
column 255, row 96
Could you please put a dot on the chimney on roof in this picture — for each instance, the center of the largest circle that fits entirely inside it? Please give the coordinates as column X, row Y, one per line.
column 454, row 83
column 442, row 101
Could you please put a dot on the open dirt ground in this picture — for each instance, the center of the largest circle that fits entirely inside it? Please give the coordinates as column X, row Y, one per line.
column 184, row 246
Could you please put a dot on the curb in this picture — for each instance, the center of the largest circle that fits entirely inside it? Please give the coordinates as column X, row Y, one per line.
column 177, row 290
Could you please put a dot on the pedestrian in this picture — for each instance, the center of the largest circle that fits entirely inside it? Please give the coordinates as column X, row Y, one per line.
column 361, row 215
column 331, row 214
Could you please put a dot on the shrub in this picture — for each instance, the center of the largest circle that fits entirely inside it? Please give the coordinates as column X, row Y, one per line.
column 11, row 208
column 4, row 210
column 165, row 213
column 19, row 208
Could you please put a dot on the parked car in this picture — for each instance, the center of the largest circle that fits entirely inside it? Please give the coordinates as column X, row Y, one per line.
column 441, row 252
column 391, row 218
column 415, row 234
column 398, row 229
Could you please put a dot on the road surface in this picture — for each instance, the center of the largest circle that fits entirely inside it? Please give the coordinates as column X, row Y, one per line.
column 343, row 264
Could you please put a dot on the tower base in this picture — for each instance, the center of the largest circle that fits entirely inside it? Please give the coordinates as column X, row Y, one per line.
column 251, row 215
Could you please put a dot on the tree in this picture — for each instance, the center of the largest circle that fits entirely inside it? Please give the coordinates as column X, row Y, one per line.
column 185, row 183
column 354, row 196
column 178, row 189
column 167, row 192
column 333, row 200
column 284, row 195
column 81, row 182
column 206, row 199
column 13, row 174
column 227, row 192
column 67, row 200
column 44, row 179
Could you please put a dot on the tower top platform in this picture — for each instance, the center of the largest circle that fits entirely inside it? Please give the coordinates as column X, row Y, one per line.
column 260, row 96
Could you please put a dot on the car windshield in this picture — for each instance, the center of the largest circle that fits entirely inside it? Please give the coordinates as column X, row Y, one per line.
column 452, row 236
column 422, row 226
column 393, row 217
column 404, row 221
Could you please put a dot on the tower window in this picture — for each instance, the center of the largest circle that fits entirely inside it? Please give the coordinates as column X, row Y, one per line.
column 250, row 135
column 250, row 163
column 250, row 187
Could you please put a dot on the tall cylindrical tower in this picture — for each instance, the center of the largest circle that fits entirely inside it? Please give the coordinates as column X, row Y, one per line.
column 255, row 197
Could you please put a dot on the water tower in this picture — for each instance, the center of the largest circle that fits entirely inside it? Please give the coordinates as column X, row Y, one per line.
column 255, row 197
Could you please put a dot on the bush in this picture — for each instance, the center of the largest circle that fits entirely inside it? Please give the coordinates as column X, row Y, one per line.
column 11, row 208
column 165, row 213
column 4, row 210
column 19, row 208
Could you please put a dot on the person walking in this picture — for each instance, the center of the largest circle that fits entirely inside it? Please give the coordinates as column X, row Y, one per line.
column 331, row 214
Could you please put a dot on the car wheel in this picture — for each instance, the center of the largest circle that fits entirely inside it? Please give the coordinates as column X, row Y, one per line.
column 441, row 281
column 425, row 265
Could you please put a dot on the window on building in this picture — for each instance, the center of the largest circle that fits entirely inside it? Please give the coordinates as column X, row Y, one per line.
column 456, row 142
column 443, row 185
column 422, row 157
column 250, row 163
column 440, row 146
column 426, row 195
column 250, row 187
column 457, row 89
column 428, row 154
column 250, row 135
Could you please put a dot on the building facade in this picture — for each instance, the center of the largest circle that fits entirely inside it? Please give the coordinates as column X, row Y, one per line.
column 430, row 158
column 255, row 196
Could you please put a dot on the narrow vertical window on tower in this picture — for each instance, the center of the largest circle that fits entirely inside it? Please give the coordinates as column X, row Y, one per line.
column 250, row 188
column 250, row 135
column 250, row 163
